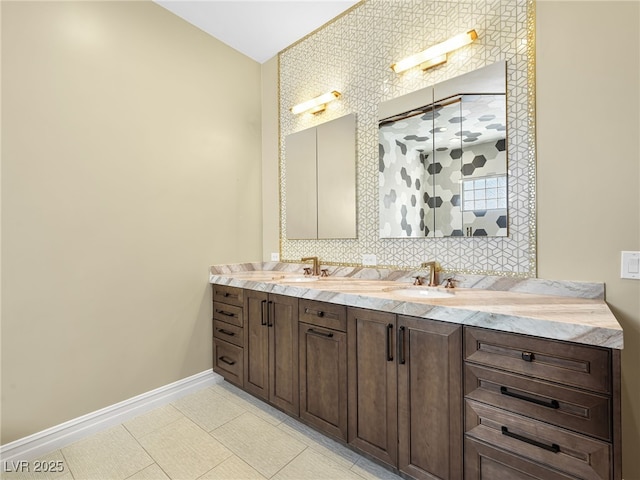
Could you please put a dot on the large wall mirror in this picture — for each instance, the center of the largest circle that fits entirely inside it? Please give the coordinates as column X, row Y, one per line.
column 443, row 159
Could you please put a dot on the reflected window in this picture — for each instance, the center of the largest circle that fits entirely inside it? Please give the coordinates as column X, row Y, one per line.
column 487, row 193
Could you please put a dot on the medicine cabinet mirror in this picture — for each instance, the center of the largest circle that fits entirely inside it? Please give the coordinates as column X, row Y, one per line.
column 320, row 181
column 443, row 159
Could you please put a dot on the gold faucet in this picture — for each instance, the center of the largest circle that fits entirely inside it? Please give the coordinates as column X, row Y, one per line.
column 433, row 275
column 316, row 264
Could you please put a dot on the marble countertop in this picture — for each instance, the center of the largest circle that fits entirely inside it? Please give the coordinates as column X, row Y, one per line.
column 571, row 311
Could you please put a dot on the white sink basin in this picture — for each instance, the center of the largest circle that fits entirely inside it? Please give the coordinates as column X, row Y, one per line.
column 425, row 292
column 301, row 279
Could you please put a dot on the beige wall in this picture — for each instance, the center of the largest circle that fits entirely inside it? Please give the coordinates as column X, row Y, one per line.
column 588, row 104
column 130, row 162
column 270, row 160
column 588, row 150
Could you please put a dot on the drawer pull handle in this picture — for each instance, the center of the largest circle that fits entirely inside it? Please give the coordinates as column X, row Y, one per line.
column 544, row 403
column 226, row 332
column 401, row 345
column 263, row 317
column 226, row 314
column 527, row 356
column 555, row 448
column 322, row 334
column 226, row 360
column 271, row 313
column 389, row 344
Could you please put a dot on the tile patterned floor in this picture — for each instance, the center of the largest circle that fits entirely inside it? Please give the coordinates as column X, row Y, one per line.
column 218, row 433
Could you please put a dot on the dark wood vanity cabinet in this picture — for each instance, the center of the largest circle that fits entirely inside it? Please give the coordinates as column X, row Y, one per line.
column 271, row 349
column 405, row 392
column 228, row 334
column 539, row 409
column 431, row 399
column 323, row 366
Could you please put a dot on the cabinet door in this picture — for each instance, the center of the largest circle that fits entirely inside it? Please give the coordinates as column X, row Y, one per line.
column 429, row 358
column 323, row 379
column 283, row 353
column 373, row 415
column 256, row 344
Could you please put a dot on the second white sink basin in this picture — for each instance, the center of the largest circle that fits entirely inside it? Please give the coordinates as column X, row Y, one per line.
column 425, row 292
column 300, row 279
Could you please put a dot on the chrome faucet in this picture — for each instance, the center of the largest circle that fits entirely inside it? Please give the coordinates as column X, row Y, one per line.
column 316, row 264
column 433, row 275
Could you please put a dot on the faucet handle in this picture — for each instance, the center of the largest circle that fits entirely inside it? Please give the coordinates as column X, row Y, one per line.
column 418, row 280
column 450, row 283
column 307, row 270
column 325, row 272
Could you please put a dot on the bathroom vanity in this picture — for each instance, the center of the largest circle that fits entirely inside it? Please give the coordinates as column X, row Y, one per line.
column 510, row 379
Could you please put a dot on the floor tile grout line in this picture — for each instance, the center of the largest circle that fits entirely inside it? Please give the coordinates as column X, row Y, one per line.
column 144, row 468
column 285, row 465
column 268, row 424
column 145, row 451
column 317, row 445
column 66, row 462
column 210, row 432
column 155, row 429
column 156, row 461
column 153, row 460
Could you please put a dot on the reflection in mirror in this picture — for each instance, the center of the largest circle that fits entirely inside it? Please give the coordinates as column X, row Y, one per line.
column 443, row 166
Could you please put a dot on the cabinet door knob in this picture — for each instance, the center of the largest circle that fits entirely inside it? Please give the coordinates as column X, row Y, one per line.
column 527, row 356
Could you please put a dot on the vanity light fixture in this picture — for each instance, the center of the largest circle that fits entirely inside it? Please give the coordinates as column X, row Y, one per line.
column 315, row 105
column 435, row 55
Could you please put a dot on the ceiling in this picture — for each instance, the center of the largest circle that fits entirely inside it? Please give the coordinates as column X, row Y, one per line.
column 257, row 28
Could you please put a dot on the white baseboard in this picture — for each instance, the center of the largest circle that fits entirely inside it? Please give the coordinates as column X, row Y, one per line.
column 54, row 438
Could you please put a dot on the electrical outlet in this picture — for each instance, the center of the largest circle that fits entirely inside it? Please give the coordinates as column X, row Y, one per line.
column 275, row 257
column 630, row 265
column 369, row 259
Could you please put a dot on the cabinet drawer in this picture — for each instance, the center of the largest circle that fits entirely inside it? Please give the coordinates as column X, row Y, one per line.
column 571, row 453
column 228, row 332
column 226, row 294
column 227, row 361
column 564, row 362
column 577, row 410
column 228, row 313
column 326, row 315
column 486, row 462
